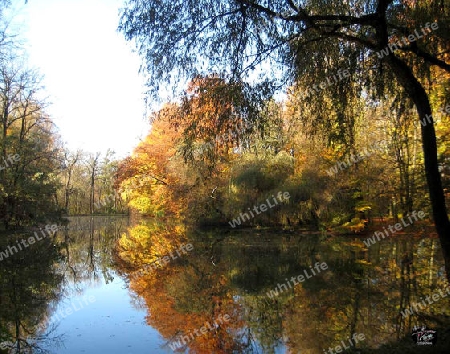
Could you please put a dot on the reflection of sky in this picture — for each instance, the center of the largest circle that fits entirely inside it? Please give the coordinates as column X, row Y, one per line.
column 108, row 325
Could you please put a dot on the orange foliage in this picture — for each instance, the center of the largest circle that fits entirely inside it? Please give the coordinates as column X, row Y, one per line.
column 148, row 178
column 181, row 300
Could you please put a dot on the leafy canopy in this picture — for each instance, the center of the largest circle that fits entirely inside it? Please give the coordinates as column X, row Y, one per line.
column 242, row 38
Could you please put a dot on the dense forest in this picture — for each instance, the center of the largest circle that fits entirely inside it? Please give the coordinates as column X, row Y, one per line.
column 287, row 115
column 341, row 136
column 283, row 135
column 347, row 111
column 208, row 159
column 345, row 106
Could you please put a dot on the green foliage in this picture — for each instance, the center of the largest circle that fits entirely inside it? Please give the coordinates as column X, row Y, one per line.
column 27, row 186
column 330, row 53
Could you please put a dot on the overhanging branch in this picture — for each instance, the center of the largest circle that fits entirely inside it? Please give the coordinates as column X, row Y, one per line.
column 427, row 57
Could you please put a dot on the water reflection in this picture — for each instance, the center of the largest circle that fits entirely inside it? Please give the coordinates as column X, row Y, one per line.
column 214, row 297
column 29, row 282
column 44, row 283
column 88, row 244
column 363, row 291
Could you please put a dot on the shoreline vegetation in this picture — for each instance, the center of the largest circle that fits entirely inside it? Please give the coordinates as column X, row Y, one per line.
column 375, row 224
column 237, row 181
column 272, row 232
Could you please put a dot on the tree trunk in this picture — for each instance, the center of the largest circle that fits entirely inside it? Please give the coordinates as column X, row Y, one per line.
column 67, row 191
column 91, row 195
column 420, row 98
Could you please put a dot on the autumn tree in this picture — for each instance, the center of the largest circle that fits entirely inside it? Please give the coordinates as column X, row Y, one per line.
column 305, row 39
column 216, row 117
column 29, row 159
column 150, row 177
column 28, row 148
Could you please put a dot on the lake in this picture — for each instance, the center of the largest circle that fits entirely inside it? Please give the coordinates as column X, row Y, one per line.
column 91, row 288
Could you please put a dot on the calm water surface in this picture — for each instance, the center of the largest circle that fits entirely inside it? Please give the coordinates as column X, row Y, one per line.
column 74, row 293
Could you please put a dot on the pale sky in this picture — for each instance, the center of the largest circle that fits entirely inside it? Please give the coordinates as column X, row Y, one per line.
column 90, row 73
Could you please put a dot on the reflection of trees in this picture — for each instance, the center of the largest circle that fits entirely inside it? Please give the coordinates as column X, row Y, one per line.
column 327, row 308
column 363, row 291
column 181, row 299
column 28, row 283
column 366, row 297
column 186, row 293
column 88, row 244
column 420, row 276
column 34, row 279
column 144, row 243
column 264, row 320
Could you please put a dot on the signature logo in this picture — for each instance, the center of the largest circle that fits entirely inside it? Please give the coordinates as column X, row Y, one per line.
column 424, row 336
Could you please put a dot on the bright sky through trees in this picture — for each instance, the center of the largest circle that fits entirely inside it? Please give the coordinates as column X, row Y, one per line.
column 90, row 73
